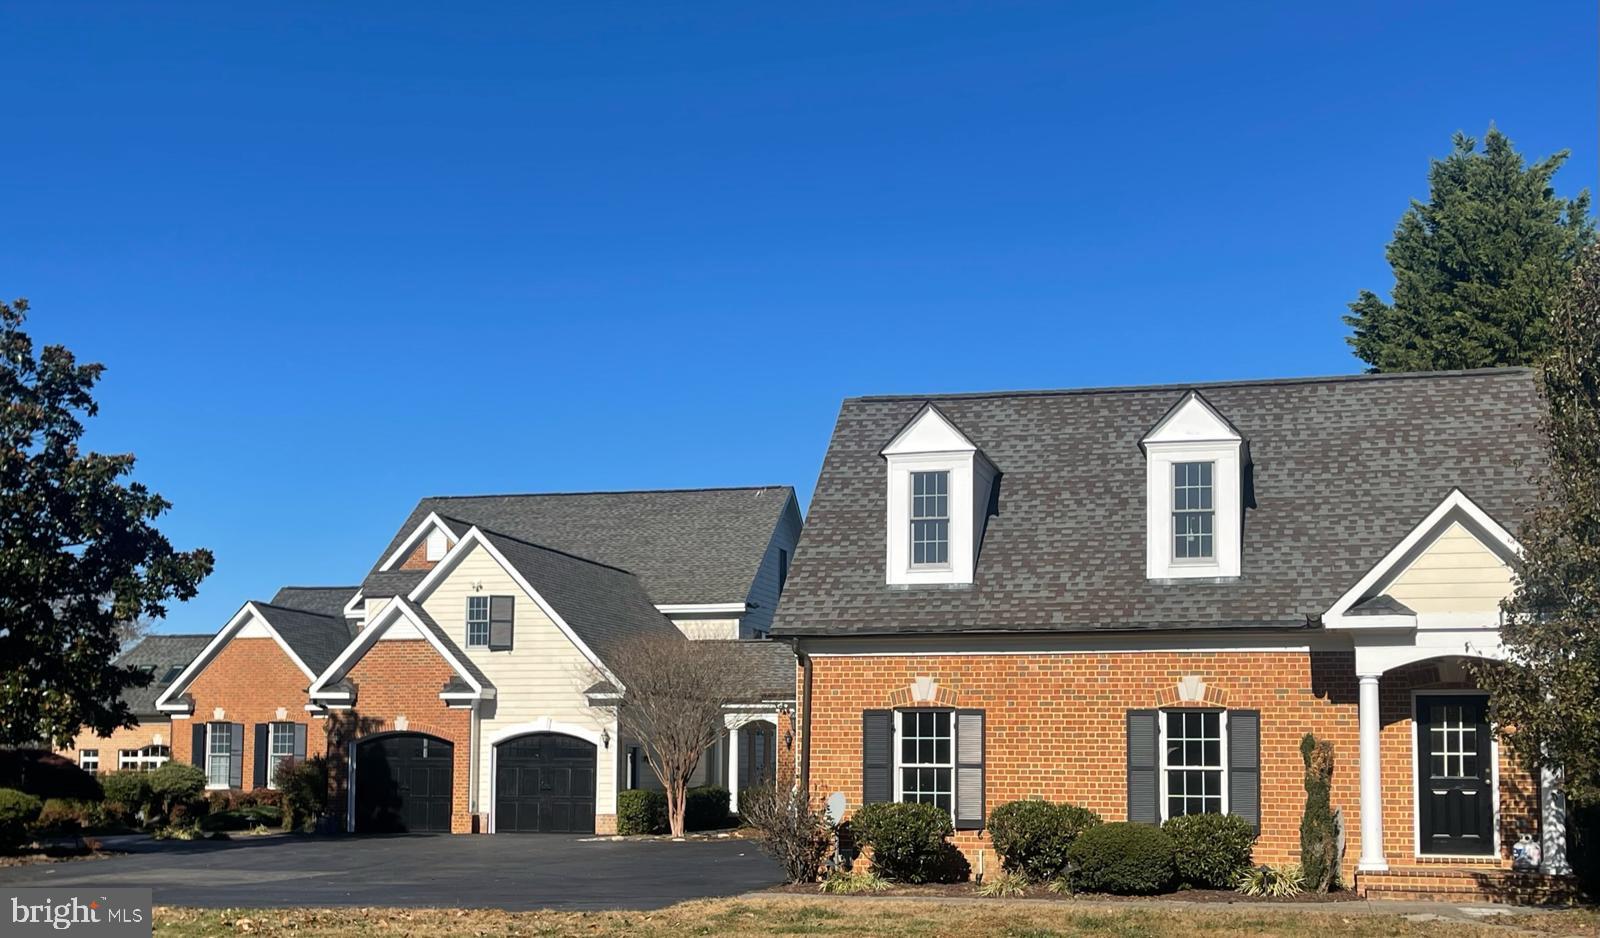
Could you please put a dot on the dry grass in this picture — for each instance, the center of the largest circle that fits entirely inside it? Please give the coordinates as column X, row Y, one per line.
column 742, row 918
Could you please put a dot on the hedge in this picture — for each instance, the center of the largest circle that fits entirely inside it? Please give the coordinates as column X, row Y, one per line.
column 907, row 840
column 1210, row 849
column 1122, row 858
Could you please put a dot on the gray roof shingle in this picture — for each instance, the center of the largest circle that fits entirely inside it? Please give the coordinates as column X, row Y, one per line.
column 317, row 639
column 684, row 545
column 322, row 600
column 1343, row 468
column 163, row 656
column 770, row 663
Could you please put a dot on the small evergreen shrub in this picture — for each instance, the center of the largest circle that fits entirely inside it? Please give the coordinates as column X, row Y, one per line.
column 1319, row 835
column 641, row 811
column 1033, row 837
column 1210, row 850
column 1122, row 858
column 127, row 788
column 17, row 811
column 706, row 808
column 302, row 794
column 907, row 840
column 175, row 785
column 68, row 817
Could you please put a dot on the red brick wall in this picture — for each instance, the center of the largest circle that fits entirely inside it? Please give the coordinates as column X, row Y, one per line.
column 1056, row 729
column 402, row 678
column 418, row 558
column 250, row 678
column 134, row 737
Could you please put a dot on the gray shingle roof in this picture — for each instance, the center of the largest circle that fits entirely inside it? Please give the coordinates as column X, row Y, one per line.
column 162, row 655
column 770, row 663
column 391, row 582
column 605, row 606
column 322, row 600
column 685, row 545
column 1343, row 468
column 1384, row 605
column 315, row 638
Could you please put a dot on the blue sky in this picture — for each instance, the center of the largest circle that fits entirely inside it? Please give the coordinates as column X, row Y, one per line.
column 341, row 256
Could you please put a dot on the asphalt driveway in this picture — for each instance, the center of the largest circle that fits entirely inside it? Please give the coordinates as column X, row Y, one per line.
column 504, row 871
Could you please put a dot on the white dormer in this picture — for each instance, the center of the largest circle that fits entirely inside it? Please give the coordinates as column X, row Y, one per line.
column 1194, row 493
column 939, row 486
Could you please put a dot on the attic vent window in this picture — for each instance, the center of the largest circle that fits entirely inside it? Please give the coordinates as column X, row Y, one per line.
column 436, row 545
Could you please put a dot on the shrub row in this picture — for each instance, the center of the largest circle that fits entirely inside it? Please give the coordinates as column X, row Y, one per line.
column 644, row 811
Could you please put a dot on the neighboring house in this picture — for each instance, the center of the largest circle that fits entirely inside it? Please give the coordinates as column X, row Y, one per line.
column 241, row 705
column 1140, row 599
column 464, row 685
column 148, row 743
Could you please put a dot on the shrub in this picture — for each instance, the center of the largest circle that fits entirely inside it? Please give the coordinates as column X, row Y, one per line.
column 175, row 785
column 846, row 883
column 1032, row 837
column 1319, row 835
column 240, row 819
column 1210, row 849
column 1004, row 886
column 907, row 840
column 706, row 808
column 44, row 774
column 17, row 810
column 302, row 791
column 68, row 817
column 127, row 788
column 1122, row 858
column 1277, row 882
column 789, row 829
column 641, row 811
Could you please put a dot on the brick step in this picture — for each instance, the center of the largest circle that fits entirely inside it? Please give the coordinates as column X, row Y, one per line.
column 1472, row 883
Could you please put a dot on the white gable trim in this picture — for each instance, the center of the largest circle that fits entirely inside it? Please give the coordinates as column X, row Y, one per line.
column 356, row 608
column 475, row 537
column 1192, row 420
column 391, row 613
column 683, row 609
column 1455, row 504
column 245, row 616
column 414, row 538
column 930, row 431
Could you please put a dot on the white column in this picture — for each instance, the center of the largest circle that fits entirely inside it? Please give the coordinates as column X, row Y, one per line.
column 733, row 769
column 1552, row 823
column 1371, row 779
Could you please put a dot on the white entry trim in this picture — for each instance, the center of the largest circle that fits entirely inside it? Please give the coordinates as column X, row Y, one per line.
column 541, row 725
column 1416, row 782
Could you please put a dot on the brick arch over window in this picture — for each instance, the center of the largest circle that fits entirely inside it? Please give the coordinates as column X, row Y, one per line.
column 1211, row 694
column 923, row 692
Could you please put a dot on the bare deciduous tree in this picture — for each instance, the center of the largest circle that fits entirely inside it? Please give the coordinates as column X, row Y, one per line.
column 673, row 700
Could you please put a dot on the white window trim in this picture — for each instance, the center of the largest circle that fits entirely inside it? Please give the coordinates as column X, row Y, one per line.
column 1161, row 752
column 912, row 519
column 141, row 760
column 487, row 604
column 83, row 757
column 1226, row 505
column 274, row 758
column 211, row 736
column 894, row 741
column 958, row 570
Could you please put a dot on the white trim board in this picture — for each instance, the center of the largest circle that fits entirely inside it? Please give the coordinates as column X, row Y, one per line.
column 540, row 725
column 247, row 615
column 414, row 538
column 672, row 609
column 1287, row 641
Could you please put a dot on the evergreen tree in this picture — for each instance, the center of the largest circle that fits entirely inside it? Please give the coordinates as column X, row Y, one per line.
column 1476, row 267
column 1547, row 702
column 80, row 557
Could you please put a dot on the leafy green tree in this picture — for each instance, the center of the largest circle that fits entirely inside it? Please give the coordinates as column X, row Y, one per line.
column 1547, row 701
column 1477, row 266
column 80, row 556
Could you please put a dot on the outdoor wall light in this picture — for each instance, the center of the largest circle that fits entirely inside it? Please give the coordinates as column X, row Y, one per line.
column 605, row 738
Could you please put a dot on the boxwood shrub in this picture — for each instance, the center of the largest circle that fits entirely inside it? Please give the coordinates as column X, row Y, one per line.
column 1033, row 837
column 706, row 809
column 641, row 811
column 907, row 840
column 127, row 792
column 1210, row 849
column 1122, row 858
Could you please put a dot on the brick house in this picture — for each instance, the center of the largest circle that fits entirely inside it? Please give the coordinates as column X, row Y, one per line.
column 148, row 743
column 1140, row 599
column 463, row 685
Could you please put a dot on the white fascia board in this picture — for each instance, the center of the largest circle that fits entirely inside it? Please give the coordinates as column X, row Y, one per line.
column 686, row 609
column 356, row 608
column 1373, row 623
column 1456, row 501
column 390, row 613
column 415, row 537
column 165, row 703
column 475, row 537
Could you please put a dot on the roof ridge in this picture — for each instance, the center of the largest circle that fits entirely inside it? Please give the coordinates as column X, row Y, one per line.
column 708, row 488
column 1202, row 385
column 299, row 586
column 304, row 612
column 552, row 550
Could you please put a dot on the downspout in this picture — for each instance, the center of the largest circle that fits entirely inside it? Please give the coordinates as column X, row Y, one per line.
column 803, row 751
column 472, row 770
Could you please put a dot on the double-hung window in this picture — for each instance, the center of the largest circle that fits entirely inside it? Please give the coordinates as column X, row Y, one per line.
column 925, row 760
column 280, row 746
column 1194, row 513
column 930, row 519
column 1192, row 766
column 477, row 621
column 89, row 760
column 219, row 754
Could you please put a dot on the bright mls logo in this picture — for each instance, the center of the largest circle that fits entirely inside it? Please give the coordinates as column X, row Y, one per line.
column 112, row 913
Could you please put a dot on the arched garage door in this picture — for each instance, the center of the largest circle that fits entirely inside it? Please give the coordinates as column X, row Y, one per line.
column 544, row 783
column 403, row 784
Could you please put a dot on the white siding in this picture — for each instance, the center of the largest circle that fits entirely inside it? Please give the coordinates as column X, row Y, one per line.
column 542, row 677
column 699, row 629
column 764, row 592
column 1456, row 573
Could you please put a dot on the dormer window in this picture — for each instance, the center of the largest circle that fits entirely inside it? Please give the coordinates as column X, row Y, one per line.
column 930, row 519
column 1194, row 462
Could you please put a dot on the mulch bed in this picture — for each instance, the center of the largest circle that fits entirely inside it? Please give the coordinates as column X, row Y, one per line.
column 53, row 856
column 969, row 890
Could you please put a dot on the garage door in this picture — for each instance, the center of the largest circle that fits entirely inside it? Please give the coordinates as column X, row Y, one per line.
column 544, row 783
column 403, row 784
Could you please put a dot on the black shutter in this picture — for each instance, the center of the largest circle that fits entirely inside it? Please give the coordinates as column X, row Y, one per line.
column 299, row 742
column 969, row 812
column 877, row 756
column 1144, row 792
column 501, row 612
column 236, row 769
column 263, row 736
column 1244, row 765
column 197, row 750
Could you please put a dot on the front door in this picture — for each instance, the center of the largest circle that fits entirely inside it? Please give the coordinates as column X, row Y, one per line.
column 1455, row 790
